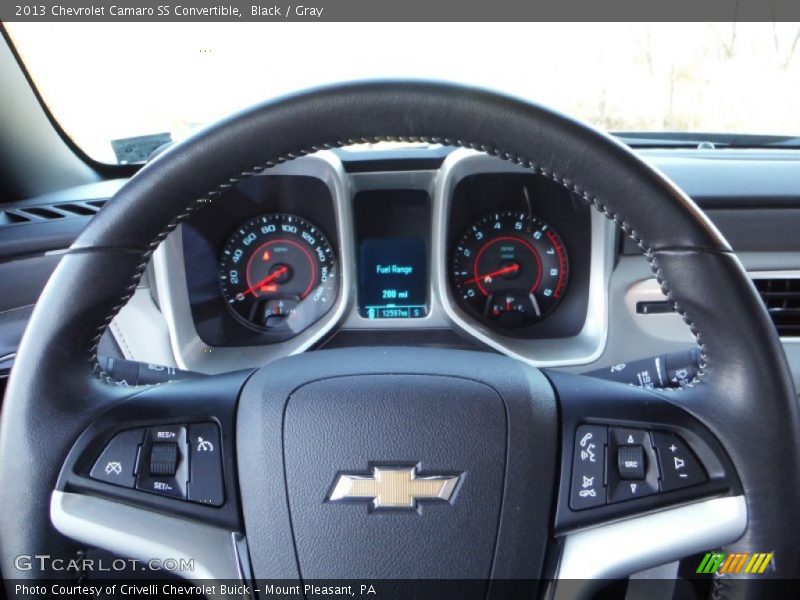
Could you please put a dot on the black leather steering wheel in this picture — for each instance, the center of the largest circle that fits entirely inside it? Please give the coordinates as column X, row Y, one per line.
column 506, row 430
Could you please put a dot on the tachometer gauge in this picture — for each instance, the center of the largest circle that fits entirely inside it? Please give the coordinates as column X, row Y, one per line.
column 509, row 269
column 278, row 272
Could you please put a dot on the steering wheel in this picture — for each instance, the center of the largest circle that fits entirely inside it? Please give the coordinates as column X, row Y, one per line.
column 387, row 463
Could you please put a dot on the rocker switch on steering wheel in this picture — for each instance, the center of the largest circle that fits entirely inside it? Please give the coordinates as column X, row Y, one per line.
column 163, row 467
column 164, row 457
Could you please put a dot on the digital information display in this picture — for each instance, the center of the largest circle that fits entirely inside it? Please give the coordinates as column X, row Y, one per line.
column 393, row 278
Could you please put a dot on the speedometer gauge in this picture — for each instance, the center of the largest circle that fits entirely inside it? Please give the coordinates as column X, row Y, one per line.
column 509, row 269
column 278, row 273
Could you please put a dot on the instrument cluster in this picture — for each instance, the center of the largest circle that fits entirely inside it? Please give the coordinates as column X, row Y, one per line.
column 286, row 260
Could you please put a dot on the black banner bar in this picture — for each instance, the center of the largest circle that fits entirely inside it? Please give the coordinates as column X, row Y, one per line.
column 375, row 589
column 393, row 10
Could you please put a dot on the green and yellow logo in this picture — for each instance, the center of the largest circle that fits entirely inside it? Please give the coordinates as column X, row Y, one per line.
column 735, row 562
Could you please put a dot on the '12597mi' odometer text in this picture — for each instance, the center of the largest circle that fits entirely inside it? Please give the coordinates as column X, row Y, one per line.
column 509, row 269
column 278, row 273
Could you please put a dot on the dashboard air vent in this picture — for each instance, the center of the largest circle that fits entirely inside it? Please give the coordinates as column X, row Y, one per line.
column 48, row 212
column 8, row 217
column 78, row 208
column 782, row 298
column 43, row 212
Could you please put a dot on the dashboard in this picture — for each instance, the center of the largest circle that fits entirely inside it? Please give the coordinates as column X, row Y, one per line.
column 407, row 210
column 470, row 251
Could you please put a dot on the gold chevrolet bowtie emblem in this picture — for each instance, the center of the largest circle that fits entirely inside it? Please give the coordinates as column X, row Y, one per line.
column 393, row 487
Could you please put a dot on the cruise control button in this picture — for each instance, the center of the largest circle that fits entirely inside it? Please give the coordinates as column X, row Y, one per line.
column 117, row 463
column 164, row 459
column 163, row 467
column 205, row 465
column 588, row 467
column 166, row 486
column 679, row 466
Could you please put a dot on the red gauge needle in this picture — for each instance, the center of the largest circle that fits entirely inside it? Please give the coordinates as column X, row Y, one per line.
column 503, row 271
column 269, row 278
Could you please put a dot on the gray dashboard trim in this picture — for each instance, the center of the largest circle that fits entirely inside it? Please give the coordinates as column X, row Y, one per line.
column 670, row 326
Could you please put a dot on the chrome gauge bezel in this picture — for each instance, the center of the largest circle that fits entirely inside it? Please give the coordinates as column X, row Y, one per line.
column 190, row 351
column 583, row 348
column 520, row 235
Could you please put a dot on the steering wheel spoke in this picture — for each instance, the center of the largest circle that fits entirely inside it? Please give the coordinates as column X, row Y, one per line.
column 161, row 543
column 153, row 479
column 639, row 474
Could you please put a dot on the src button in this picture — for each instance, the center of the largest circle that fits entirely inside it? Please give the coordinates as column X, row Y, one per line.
column 631, row 462
column 634, row 473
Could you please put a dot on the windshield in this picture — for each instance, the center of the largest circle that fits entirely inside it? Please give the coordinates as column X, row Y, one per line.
column 109, row 82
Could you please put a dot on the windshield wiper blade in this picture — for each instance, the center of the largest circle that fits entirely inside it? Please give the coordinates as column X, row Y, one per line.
column 707, row 141
column 657, row 140
column 765, row 141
